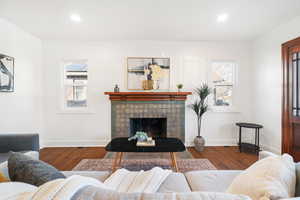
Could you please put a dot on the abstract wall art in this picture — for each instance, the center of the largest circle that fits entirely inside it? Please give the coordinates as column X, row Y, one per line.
column 147, row 73
column 6, row 73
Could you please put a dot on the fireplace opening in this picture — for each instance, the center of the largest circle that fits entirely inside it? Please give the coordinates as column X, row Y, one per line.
column 154, row 127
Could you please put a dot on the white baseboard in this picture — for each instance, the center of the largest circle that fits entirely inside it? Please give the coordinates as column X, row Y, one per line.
column 222, row 142
column 233, row 142
column 271, row 149
column 102, row 143
column 74, row 143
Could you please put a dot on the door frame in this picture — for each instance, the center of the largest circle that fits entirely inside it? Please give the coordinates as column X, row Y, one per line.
column 286, row 113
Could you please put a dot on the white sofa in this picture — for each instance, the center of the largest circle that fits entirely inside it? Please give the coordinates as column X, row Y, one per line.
column 214, row 182
column 204, row 180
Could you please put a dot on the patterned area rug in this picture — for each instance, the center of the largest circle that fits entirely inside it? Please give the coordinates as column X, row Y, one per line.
column 152, row 155
column 184, row 165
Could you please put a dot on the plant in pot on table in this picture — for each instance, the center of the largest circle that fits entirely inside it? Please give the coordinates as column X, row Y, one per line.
column 179, row 87
column 200, row 107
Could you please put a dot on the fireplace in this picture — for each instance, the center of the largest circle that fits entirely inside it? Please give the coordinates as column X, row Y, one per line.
column 125, row 113
column 160, row 114
column 154, row 127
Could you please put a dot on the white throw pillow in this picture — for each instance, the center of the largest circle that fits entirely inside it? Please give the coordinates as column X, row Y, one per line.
column 273, row 177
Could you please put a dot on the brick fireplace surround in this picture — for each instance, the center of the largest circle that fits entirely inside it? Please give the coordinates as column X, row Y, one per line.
column 127, row 105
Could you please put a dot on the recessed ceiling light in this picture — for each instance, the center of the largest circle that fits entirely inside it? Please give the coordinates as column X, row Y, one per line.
column 222, row 17
column 75, row 18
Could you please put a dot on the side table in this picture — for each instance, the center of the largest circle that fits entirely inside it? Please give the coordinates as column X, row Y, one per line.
column 247, row 147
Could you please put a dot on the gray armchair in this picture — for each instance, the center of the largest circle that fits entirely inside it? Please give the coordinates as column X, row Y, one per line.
column 18, row 143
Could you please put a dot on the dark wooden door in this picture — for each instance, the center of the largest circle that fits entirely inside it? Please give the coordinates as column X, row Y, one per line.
column 291, row 98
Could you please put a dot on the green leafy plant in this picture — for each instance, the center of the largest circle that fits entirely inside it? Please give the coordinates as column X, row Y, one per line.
column 179, row 86
column 200, row 105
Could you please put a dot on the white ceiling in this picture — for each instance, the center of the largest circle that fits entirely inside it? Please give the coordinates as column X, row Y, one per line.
column 148, row 19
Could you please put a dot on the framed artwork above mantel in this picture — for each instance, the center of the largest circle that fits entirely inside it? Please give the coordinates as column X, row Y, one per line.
column 148, row 73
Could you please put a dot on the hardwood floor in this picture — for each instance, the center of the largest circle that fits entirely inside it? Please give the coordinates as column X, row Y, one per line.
column 66, row 158
column 226, row 157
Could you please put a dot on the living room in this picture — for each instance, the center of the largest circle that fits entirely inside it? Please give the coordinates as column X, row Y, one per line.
column 205, row 86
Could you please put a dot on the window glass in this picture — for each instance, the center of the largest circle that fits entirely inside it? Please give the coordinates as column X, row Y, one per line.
column 223, row 95
column 223, row 74
column 75, row 80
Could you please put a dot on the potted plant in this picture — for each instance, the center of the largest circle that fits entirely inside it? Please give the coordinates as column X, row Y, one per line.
column 200, row 107
column 179, row 87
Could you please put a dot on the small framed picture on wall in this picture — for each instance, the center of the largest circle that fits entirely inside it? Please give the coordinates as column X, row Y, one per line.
column 6, row 73
column 148, row 73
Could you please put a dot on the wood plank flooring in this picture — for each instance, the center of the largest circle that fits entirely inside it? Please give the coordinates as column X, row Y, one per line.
column 226, row 157
column 66, row 158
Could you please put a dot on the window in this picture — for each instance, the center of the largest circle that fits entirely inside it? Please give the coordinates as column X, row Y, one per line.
column 75, row 84
column 223, row 75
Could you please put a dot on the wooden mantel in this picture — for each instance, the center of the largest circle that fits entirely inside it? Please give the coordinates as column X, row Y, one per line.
column 147, row 96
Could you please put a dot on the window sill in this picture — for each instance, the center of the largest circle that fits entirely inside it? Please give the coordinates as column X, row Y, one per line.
column 222, row 109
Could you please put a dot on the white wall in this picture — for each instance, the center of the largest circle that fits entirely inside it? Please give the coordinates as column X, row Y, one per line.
column 190, row 62
column 35, row 104
column 21, row 111
column 267, row 87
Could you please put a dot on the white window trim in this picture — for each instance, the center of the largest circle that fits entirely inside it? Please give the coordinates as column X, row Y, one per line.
column 63, row 109
column 225, row 109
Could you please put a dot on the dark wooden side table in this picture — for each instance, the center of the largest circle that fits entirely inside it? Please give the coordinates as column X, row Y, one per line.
column 122, row 145
column 247, row 147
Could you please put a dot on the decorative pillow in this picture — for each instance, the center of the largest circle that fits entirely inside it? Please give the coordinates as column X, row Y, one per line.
column 273, row 177
column 3, row 178
column 25, row 169
column 3, row 165
column 4, row 169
